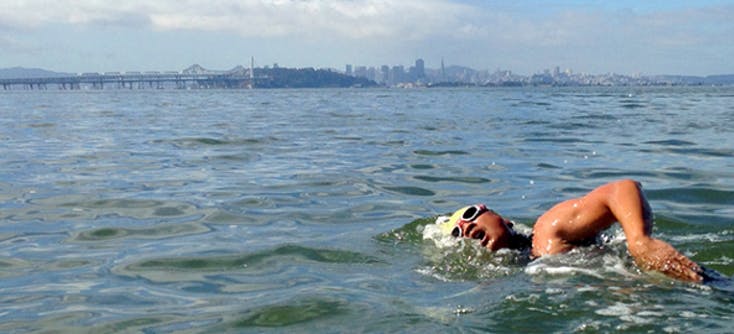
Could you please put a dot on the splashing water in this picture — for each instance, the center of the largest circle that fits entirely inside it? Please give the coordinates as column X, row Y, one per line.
column 453, row 256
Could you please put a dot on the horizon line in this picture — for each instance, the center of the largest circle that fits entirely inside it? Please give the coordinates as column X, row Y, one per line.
column 276, row 65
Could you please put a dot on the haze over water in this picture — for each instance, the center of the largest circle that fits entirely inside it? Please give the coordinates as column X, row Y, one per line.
column 286, row 210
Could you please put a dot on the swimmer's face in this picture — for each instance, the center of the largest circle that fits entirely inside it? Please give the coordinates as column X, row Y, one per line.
column 492, row 231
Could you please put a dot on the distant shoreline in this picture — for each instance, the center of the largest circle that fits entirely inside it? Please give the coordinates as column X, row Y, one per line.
column 196, row 77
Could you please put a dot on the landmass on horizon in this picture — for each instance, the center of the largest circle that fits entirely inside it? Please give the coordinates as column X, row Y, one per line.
column 363, row 76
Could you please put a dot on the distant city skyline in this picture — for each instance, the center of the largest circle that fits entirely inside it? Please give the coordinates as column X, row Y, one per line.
column 626, row 37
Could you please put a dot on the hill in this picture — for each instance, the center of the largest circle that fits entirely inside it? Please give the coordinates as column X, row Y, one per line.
column 22, row 73
column 308, row 78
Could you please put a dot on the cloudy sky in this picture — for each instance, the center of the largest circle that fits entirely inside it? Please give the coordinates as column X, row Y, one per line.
column 621, row 36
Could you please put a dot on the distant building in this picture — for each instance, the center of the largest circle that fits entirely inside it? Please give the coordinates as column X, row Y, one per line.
column 392, row 75
column 397, row 75
column 420, row 69
column 372, row 74
column 360, row 71
column 385, row 72
column 443, row 71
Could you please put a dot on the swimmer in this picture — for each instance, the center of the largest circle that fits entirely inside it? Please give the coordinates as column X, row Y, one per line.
column 577, row 222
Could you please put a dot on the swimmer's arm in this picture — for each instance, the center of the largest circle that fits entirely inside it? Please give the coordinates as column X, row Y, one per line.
column 626, row 202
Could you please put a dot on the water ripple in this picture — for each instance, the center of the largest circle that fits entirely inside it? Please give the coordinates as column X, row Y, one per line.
column 259, row 262
column 301, row 210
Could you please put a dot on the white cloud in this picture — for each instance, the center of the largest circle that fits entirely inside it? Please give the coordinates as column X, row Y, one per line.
column 357, row 19
column 251, row 18
column 524, row 36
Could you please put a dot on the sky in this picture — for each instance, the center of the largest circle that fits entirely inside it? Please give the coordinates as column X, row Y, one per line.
column 526, row 37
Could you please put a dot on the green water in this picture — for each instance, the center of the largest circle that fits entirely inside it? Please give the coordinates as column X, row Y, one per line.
column 306, row 210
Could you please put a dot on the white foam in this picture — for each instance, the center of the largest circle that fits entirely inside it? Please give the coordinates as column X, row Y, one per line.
column 538, row 269
column 722, row 260
column 616, row 310
column 440, row 238
column 431, row 272
column 635, row 319
column 586, row 288
column 689, row 314
column 710, row 237
column 445, row 314
column 599, row 262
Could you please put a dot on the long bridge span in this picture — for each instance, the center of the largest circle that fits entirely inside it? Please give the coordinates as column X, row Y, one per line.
column 136, row 80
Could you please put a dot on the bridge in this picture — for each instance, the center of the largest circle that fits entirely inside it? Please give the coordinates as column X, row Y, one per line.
column 131, row 80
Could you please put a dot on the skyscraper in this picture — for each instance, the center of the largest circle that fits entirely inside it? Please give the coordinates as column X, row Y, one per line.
column 420, row 69
column 443, row 71
column 385, row 74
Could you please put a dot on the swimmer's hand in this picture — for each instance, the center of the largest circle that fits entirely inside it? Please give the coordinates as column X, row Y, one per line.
column 657, row 255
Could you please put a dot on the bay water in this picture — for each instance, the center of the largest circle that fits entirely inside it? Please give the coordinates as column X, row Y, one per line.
column 307, row 210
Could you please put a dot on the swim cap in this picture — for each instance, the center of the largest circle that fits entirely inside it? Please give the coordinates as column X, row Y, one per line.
column 449, row 224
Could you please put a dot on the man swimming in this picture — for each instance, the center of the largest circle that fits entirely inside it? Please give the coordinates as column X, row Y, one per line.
column 577, row 222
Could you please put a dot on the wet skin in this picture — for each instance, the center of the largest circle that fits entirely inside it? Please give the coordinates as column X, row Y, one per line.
column 573, row 222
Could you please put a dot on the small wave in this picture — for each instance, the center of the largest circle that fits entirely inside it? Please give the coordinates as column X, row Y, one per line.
column 722, row 236
column 439, row 153
column 634, row 313
column 457, row 179
column 531, row 104
column 156, row 232
column 716, row 153
column 90, row 207
column 422, row 166
column 251, row 261
column 632, row 105
column 292, row 312
column 10, row 267
column 554, row 140
column 408, row 190
column 693, row 195
column 41, row 125
column 240, row 157
column 192, row 142
column 547, row 166
column 671, row 142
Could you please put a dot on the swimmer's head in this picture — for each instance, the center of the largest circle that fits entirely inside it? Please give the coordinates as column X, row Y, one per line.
column 478, row 222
